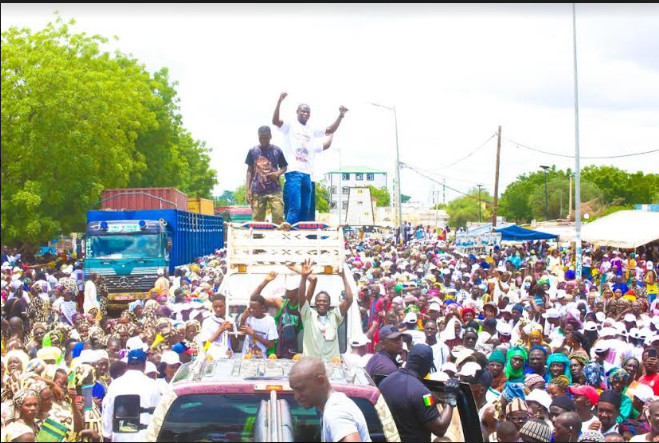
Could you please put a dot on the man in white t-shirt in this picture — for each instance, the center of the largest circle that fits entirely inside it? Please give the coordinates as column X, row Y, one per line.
column 259, row 328
column 342, row 420
column 299, row 150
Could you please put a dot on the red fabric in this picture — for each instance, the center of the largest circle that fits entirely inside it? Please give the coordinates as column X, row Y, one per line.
column 652, row 381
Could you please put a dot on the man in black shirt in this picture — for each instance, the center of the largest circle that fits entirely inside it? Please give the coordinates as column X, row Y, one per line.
column 411, row 403
column 265, row 164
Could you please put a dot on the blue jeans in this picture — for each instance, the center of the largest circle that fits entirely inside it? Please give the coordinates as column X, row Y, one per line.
column 297, row 196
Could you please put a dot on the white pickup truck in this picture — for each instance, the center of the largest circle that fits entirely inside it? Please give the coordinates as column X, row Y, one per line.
column 255, row 249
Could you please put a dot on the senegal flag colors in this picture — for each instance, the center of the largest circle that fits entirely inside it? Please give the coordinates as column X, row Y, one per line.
column 428, row 400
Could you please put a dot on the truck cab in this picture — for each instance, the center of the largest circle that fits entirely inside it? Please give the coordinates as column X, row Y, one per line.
column 128, row 254
column 251, row 400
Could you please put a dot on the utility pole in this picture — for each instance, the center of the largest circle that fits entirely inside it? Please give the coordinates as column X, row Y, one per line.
column 577, row 167
column 444, row 191
column 496, row 181
column 480, row 205
column 569, row 211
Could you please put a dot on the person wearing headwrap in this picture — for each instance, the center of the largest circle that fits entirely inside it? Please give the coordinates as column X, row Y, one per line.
column 26, row 409
column 81, row 376
column 39, row 306
column 535, row 338
column 593, row 373
column 468, row 314
column 516, row 359
column 496, row 365
column 64, row 411
column 36, row 337
column 577, row 363
column 618, row 380
column 558, row 386
column 558, row 364
column 53, row 338
column 534, row 381
column 15, row 430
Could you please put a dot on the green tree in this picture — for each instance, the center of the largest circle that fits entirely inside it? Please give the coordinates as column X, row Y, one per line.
column 618, row 185
column 226, row 199
column 322, row 198
column 76, row 120
column 70, row 117
column 240, row 195
column 381, row 195
column 464, row 209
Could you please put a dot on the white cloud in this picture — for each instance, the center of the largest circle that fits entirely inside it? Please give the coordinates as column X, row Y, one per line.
column 454, row 73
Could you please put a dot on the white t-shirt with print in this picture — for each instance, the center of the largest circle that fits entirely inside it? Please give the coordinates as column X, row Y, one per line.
column 342, row 417
column 264, row 327
column 299, row 146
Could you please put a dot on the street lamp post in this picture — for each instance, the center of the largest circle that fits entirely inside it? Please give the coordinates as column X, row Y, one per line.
column 398, row 197
column 546, row 195
column 480, row 205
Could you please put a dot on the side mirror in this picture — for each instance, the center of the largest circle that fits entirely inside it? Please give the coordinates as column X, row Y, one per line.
column 126, row 418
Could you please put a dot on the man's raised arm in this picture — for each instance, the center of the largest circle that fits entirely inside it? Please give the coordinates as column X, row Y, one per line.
column 275, row 117
column 334, row 126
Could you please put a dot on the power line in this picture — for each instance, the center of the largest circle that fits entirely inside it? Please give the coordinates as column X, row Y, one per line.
column 472, row 152
column 405, row 165
column 432, row 172
column 521, row 145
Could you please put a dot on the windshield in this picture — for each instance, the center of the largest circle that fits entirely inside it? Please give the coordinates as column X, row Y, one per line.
column 125, row 246
column 232, row 417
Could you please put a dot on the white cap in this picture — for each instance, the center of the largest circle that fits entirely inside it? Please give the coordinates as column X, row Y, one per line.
column 649, row 265
column 161, row 271
column 504, row 328
column 655, row 320
column 644, row 333
column 170, row 358
column 608, row 332
column 621, row 328
column 590, row 326
column 469, row 369
column 136, row 343
column 450, row 367
column 359, row 340
column 434, row 307
column 551, row 313
column 150, row 368
column 633, row 332
column 292, row 282
column 89, row 356
column 410, row 317
column 561, row 293
column 600, row 316
column 601, row 346
column 643, row 392
column 630, row 318
column 540, row 396
column 439, row 376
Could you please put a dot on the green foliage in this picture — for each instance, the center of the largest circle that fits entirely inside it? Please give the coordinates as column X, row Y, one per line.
column 609, row 187
column 322, row 198
column 404, row 198
column 381, row 195
column 76, row 120
column 240, row 195
column 226, row 199
column 464, row 209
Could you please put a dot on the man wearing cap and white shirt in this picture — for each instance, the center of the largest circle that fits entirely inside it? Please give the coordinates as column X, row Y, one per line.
column 358, row 357
column 551, row 329
column 410, row 324
column 134, row 381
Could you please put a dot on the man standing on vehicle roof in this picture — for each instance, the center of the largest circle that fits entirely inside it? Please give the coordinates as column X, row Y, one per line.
column 265, row 164
column 299, row 151
column 341, row 418
column 321, row 325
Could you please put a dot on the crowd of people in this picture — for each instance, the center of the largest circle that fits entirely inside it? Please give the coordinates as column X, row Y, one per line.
column 548, row 356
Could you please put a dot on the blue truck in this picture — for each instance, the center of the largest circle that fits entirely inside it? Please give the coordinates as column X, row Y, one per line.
column 128, row 248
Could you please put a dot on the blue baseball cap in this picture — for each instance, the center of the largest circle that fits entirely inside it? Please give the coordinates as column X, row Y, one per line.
column 136, row 356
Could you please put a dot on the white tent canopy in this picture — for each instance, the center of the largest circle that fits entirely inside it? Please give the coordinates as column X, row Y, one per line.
column 623, row 229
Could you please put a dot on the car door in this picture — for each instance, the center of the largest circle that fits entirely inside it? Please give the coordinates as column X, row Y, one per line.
column 465, row 425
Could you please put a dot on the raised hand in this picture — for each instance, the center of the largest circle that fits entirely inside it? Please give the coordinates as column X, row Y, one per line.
column 307, row 268
column 282, row 96
column 343, row 110
column 271, row 276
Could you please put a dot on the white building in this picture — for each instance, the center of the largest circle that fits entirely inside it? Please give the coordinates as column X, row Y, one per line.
column 340, row 182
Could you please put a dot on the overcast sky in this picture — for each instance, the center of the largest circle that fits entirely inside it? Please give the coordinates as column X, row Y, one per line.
column 454, row 72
